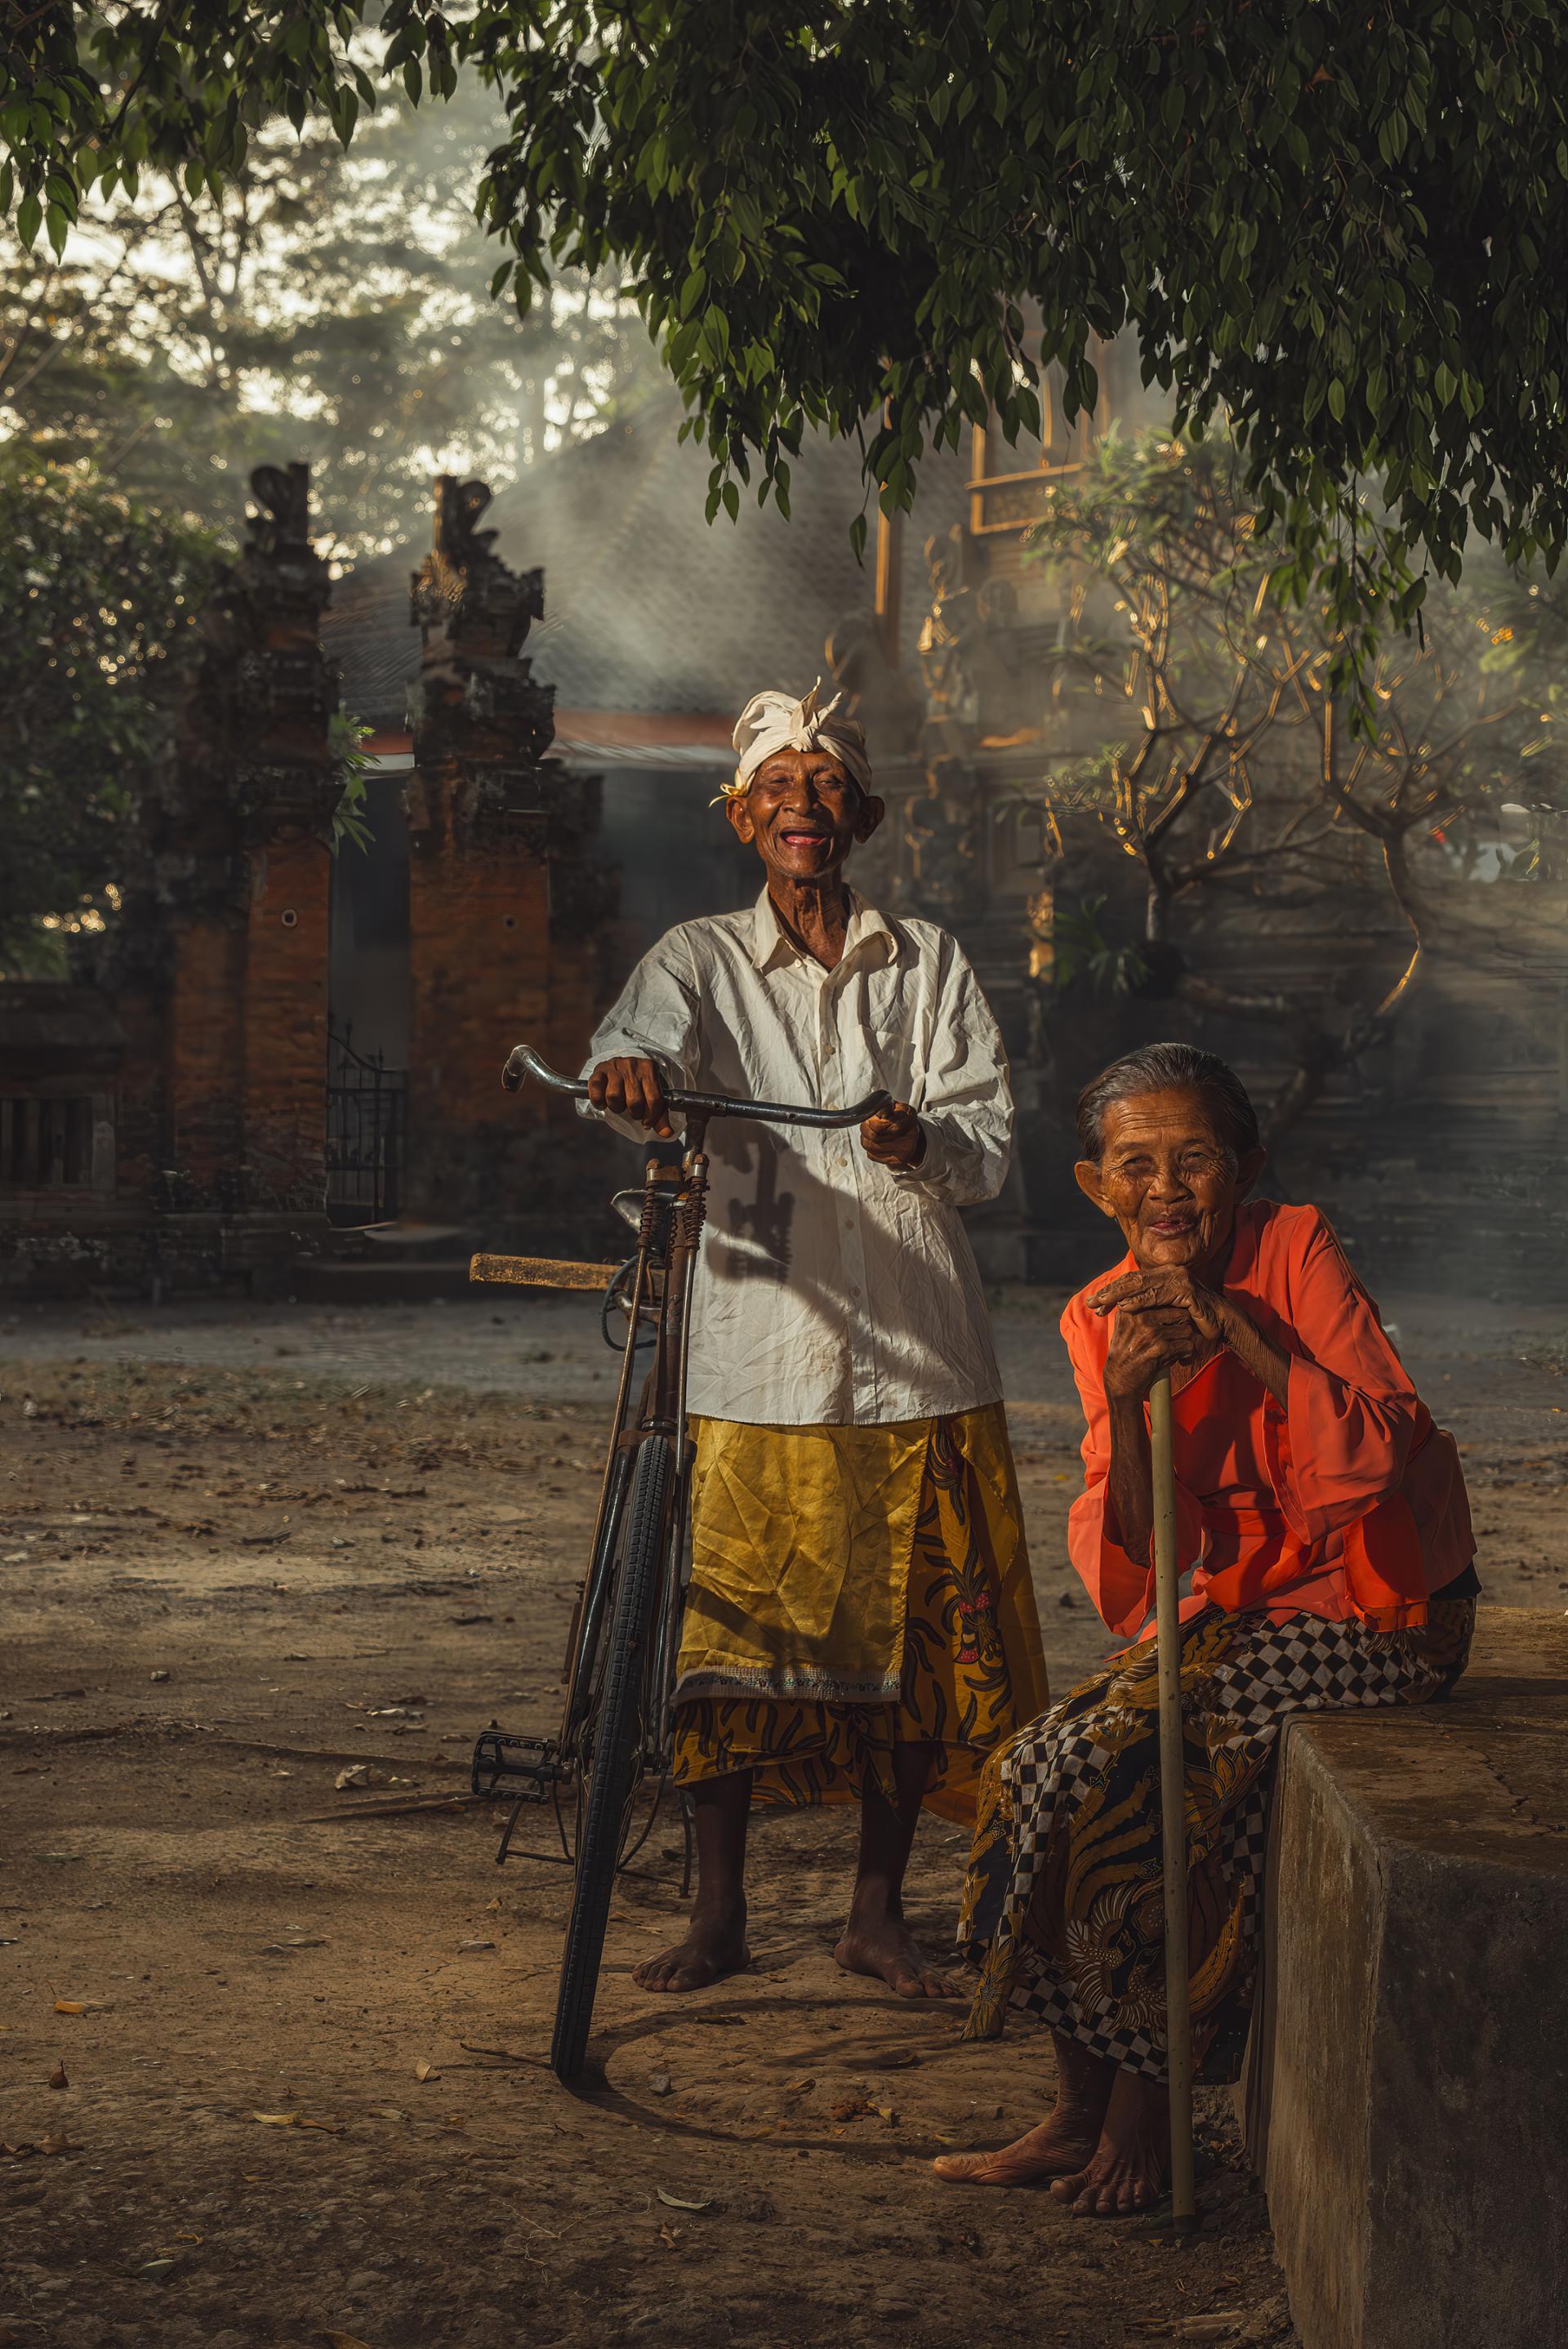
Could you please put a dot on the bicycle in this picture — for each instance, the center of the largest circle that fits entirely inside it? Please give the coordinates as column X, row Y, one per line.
column 616, row 1721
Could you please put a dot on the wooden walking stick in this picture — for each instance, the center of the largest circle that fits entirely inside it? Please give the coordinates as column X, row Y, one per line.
column 1172, row 1802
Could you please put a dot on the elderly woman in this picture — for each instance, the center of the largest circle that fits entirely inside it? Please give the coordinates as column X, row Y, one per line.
column 1323, row 1519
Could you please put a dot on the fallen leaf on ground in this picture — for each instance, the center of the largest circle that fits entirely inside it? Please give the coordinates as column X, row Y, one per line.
column 850, row 2110
column 57, row 2077
column 82, row 2006
column 26, row 2148
column 425, row 2071
column 474, row 1945
column 155, row 2268
column 276, row 2121
column 670, row 2236
column 679, row 2202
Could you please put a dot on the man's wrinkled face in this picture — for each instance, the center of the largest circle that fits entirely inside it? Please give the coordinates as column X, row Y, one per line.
column 1170, row 1177
column 803, row 814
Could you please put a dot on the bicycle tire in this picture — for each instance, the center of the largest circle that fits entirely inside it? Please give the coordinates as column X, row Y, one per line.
column 612, row 1771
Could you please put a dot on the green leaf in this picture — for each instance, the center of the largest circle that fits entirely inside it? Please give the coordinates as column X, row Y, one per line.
column 29, row 218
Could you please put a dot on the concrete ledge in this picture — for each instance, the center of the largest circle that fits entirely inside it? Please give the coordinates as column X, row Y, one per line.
column 1408, row 2091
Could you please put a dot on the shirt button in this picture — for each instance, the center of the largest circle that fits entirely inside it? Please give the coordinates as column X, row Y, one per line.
column 854, row 1289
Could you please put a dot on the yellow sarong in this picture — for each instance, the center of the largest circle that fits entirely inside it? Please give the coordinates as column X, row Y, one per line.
column 852, row 1589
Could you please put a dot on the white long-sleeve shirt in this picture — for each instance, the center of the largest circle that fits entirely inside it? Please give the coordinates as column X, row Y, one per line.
column 829, row 1289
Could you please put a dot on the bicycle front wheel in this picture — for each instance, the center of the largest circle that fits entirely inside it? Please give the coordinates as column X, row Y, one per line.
column 614, row 1763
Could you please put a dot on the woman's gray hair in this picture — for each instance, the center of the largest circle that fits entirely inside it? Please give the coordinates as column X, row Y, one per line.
column 1169, row 1068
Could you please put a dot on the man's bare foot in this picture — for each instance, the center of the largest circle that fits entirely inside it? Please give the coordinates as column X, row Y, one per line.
column 1062, row 2145
column 714, row 1947
column 1130, row 2169
column 884, row 1948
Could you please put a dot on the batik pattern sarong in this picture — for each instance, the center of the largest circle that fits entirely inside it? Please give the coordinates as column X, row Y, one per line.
column 969, row 1667
column 1062, row 1908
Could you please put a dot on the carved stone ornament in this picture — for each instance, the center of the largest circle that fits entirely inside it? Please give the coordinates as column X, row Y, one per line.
column 282, row 525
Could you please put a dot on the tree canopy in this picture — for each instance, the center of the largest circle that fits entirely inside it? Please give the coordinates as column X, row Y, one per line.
column 1227, row 774
column 319, row 305
column 95, row 594
column 1335, row 225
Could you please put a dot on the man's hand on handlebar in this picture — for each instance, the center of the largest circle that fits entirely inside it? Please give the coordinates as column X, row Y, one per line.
column 632, row 1089
column 895, row 1137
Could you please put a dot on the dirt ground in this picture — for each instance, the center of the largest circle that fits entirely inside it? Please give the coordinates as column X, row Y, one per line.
column 272, row 2073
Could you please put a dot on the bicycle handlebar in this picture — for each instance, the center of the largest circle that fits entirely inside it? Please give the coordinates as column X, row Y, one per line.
column 525, row 1061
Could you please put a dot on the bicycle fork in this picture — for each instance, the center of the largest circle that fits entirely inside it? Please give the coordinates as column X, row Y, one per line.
column 669, row 1237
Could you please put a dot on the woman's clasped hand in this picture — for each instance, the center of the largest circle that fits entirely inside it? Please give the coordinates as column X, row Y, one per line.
column 1164, row 1320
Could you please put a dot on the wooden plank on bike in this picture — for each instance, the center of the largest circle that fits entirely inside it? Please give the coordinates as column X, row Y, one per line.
column 541, row 1272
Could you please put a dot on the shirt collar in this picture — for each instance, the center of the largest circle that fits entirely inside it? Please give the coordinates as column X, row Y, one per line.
column 772, row 942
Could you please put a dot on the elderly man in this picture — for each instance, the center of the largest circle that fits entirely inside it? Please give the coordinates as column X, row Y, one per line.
column 861, row 1621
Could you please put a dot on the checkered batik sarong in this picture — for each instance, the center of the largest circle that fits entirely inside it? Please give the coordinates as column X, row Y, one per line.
column 1063, row 1908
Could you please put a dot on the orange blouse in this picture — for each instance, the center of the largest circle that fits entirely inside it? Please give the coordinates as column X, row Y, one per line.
column 1347, row 1502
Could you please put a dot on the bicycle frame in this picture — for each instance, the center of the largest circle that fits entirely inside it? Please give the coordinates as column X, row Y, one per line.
column 671, row 1215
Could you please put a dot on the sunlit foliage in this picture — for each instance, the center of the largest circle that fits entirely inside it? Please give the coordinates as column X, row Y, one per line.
column 1340, row 226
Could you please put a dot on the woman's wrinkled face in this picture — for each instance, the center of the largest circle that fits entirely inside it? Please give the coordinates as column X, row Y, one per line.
column 1170, row 1177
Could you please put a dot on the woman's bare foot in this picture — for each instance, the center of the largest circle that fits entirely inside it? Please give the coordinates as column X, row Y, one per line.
column 715, row 1946
column 884, row 1948
column 1053, row 2149
column 1064, row 2144
column 1130, row 2169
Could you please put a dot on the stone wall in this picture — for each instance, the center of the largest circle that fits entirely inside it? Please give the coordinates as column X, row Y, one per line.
column 1406, row 2098
column 215, row 978
column 214, row 987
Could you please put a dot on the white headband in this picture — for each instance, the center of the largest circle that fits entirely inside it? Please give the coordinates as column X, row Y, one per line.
column 775, row 722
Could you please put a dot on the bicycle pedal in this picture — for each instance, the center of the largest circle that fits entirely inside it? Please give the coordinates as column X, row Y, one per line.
column 526, row 1769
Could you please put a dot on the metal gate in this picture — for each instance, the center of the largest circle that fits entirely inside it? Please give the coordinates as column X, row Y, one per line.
column 367, row 1122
